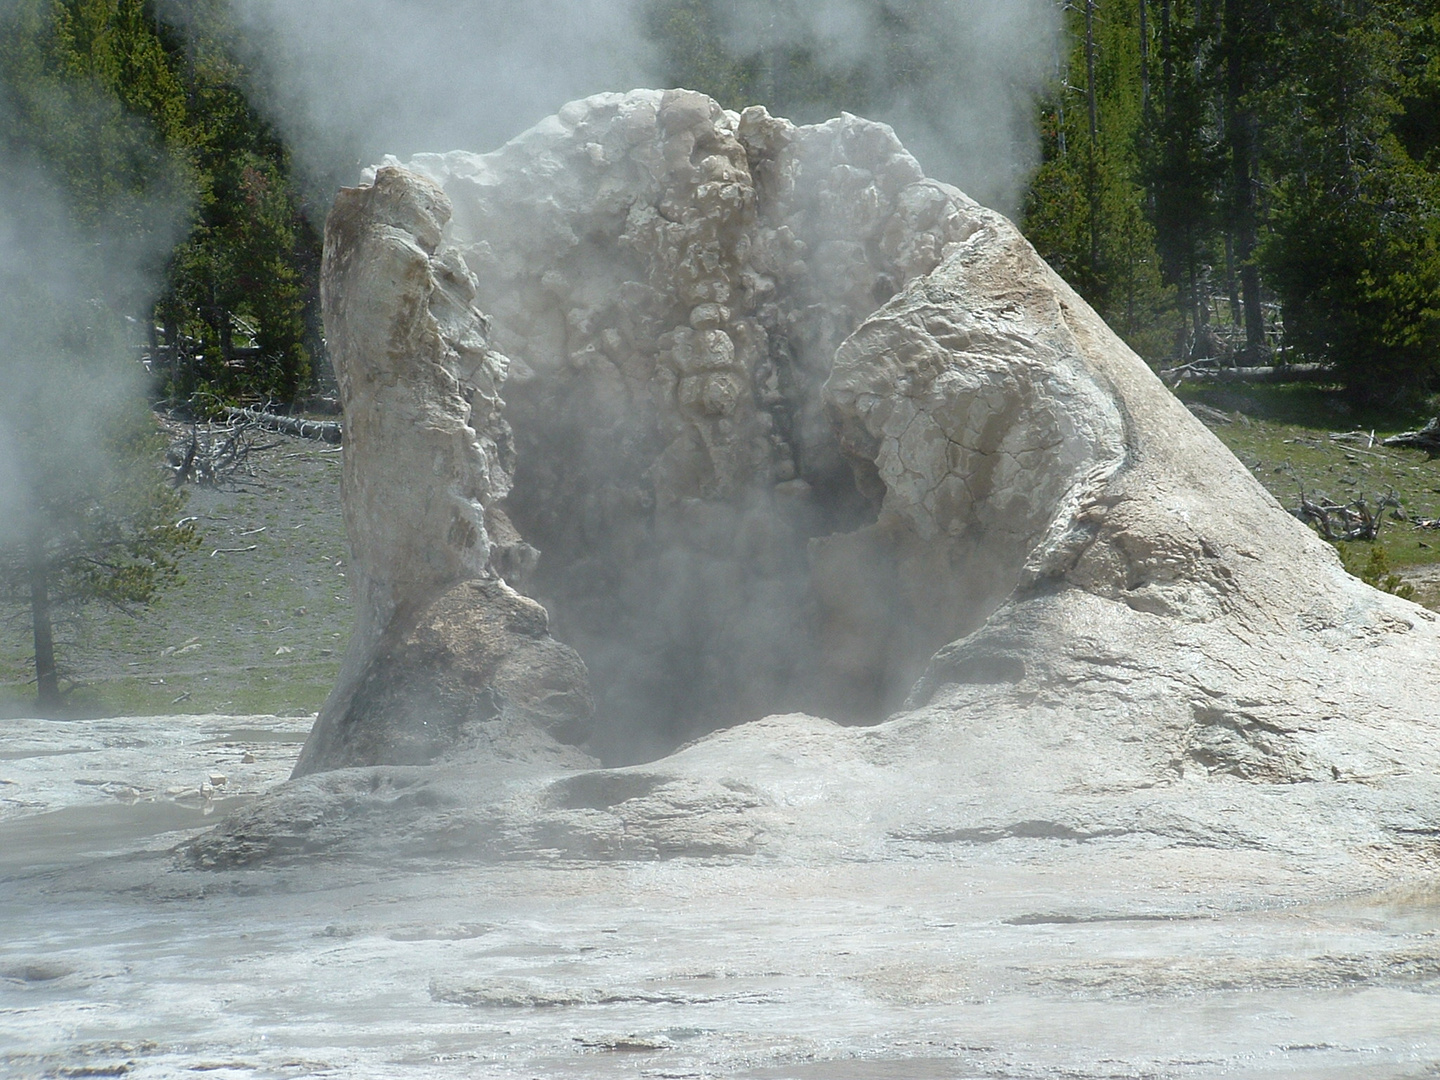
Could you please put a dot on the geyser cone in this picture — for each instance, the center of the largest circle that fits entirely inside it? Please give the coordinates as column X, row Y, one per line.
column 670, row 283
column 792, row 427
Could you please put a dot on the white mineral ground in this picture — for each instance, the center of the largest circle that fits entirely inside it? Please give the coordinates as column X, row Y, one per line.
column 1132, row 779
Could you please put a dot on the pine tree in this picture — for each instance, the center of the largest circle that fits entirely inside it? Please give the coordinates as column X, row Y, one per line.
column 1180, row 167
column 89, row 515
column 1242, row 59
column 139, row 119
column 1086, row 211
column 250, row 265
column 1354, row 245
column 87, row 211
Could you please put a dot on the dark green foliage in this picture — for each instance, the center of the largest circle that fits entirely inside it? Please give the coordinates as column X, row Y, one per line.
column 239, row 282
column 1218, row 177
column 1354, row 245
column 60, row 70
column 91, row 201
column 1086, row 210
column 137, row 121
column 1285, row 156
column 1180, row 165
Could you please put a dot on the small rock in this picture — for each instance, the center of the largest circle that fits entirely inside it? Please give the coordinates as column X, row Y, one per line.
column 248, row 758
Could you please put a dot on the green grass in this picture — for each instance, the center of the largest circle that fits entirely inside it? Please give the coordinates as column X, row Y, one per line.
column 1283, row 434
column 256, row 625
column 263, row 613
column 294, row 690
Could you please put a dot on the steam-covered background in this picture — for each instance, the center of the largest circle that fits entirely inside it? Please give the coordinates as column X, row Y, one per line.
column 166, row 166
column 91, row 205
column 1247, row 182
column 349, row 80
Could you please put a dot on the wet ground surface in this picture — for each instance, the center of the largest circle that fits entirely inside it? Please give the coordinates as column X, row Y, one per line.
column 1022, row 958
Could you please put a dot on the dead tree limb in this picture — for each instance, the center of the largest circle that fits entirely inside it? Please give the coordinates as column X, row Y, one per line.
column 209, row 455
column 1427, row 438
column 1350, row 521
column 325, row 430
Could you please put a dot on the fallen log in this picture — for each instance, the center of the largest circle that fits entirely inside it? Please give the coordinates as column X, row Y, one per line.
column 1368, row 437
column 1208, row 371
column 1427, row 438
column 328, row 431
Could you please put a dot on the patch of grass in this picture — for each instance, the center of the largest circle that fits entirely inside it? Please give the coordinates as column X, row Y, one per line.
column 1316, row 406
column 256, row 625
column 1369, row 564
column 1285, row 435
column 294, row 691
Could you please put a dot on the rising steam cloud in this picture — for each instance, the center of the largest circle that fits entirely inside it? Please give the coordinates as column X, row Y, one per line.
column 348, row 81
column 974, row 70
column 73, row 289
column 50, row 314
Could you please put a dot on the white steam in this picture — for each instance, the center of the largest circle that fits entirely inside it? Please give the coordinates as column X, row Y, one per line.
column 72, row 301
column 348, row 81
column 974, row 69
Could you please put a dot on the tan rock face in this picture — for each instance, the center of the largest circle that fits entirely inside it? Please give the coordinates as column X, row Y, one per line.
column 671, row 283
column 479, row 672
column 428, row 458
column 789, row 427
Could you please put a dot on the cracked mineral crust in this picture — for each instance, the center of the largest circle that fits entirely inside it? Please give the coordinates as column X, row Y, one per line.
column 759, row 420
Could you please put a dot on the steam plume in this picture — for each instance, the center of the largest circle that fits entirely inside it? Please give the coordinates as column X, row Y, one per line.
column 972, row 71
column 75, row 279
column 348, row 81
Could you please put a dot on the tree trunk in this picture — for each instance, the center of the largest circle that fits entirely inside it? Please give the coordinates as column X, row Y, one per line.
column 227, row 339
column 47, row 679
column 1167, row 63
column 1242, row 131
column 1232, row 283
column 1250, row 296
column 1144, row 60
column 1062, row 77
column 172, row 351
column 1192, row 294
column 1093, row 105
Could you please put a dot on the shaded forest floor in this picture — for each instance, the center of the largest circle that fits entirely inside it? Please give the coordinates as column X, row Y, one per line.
column 263, row 612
